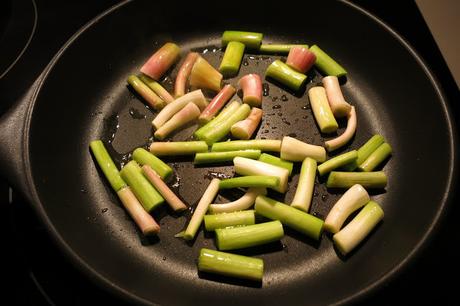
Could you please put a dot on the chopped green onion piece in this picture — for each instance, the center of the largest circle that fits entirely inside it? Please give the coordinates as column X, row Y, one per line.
column 293, row 149
column 161, row 61
column 354, row 198
column 216, row 104
column 221, row 117
column 246, row 201
column 376, row 179
column 219, row 157
column 232, row 59
column 245, row 217
column 284, row 74
column 107, row 165
column 255, row 144
column 289, row 216
column 143, row 219
column 358, row 228
column 376, row 157
column 278, row 48
column 187, row 114
column 363, row 152
column 337, row 162
column 200, row 210
column 252, row 40
column 245, row 128
column 246, row 166
column 276, row 161
column 248, row 236
column 250, row 181
column 326, row 64
column 205, row 76
column 233, row 265
column 157, row 88
column 223, row 128
column 144, row 191
column 178, row 148
column 144, row 157
column 149, row 96
column 304, row 191
column 321, row 110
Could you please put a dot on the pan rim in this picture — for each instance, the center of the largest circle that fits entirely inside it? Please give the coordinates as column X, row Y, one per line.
column 105, row 283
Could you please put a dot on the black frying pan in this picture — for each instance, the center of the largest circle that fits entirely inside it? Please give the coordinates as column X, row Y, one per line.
column 44, row 148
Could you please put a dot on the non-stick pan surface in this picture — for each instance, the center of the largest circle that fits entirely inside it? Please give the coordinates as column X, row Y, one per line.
column 83, row 96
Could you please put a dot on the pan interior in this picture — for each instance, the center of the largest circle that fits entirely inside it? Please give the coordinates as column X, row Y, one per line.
column 85, row 97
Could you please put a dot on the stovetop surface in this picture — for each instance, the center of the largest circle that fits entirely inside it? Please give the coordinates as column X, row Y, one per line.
column 37, row 273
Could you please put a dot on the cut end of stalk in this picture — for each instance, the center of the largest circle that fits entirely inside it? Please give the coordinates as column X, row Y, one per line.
column 205, row 76
column 300, row 59
column 161, row 61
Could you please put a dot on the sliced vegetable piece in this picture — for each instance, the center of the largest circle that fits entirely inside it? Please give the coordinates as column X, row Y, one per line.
column 157, row 88
column 231, row 61
column 304, row 191
column 326, row 64
column 250, row 181
column 295, row 150
column 246, row 201
column 278, row 48
column 363, row 152
column 246, row 166
column 218, row 157
column 189, row 113
column 354, row 198
column 217, row 103
column 346, row 136
column 144, row 191
column 337, row 179
column 284, row 74
column 339, row 107
column 205, row 76
column 183, row 74
column 337, row 162
column 223, row 116
column 233, row 265
column 276, row 161
column 245, row 128
column 143, row 219
column 144, row 157
column 358, row 228
column 200, row 210
column 300, row 221
column 161, row 61
column 252, row 40
column 300, row 59
column 178, row 148
column 174, row 202
column 248, row 236
column 107, row 165
column 149, row 96
column 321, row 110
column 376, row 157
column 223, row 128
column 172, row 108
column 270, row 145
column 245, row 217
column 251, row 84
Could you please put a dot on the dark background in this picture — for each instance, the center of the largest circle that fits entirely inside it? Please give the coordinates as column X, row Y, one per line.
column 34, row 272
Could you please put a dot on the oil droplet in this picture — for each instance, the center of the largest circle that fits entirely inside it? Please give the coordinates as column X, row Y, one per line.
column 315, row 194
column 164, row 257
column 135, row 114
column 305, row 107
column 277, row 106
column 280, row 114
column 266, row 131
column 294, row 135
column 317, row 214
column 324, row 197
column 265, row 89
column 104, row 210
column 245, row 62
column 219, row 175
column 263, row 137
column 83, row 190
column 285, row 121
column 274, row 99
column 284, row 98
column 205, row 51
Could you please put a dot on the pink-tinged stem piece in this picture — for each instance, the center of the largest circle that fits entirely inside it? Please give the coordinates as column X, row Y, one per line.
column 189, row 113
column 245, row 128
column 184, row 72
column 216, row 104
column 300, row 59
column 161, row 61
column 170, row 197
column 339, row 107
column 143, row 219
column 251, row 84
column 340, row 141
